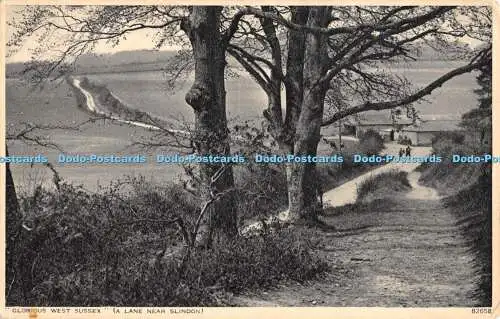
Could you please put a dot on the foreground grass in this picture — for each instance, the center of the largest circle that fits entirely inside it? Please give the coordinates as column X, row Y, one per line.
column 102, row 249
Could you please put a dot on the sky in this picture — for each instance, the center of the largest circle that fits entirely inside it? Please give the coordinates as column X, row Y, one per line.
column 137, row 40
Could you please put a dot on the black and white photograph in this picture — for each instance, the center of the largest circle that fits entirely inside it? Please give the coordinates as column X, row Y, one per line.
column 237, row 155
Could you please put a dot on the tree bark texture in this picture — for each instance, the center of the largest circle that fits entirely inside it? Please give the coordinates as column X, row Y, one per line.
column 207, row 97
column 294, row 75
column 303, row 182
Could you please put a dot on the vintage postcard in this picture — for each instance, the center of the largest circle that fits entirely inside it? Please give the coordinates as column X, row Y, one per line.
column 241, row 160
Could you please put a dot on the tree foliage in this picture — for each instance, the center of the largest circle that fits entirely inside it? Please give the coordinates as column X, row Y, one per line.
column 480, row 119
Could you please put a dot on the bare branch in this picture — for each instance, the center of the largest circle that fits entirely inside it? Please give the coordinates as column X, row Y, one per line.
column 406, row 100
column 402, row 24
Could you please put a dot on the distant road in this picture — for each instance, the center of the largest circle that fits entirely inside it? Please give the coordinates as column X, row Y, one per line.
column 92, row 107
column 335, row 138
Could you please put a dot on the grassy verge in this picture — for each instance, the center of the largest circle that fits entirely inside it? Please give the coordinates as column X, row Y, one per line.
column 473, row 207
column 447, row 177
column 387, row 184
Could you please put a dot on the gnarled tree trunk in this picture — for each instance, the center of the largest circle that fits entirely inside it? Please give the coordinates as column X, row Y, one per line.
column 294, row 74
column 302, row 177
column 207, row 97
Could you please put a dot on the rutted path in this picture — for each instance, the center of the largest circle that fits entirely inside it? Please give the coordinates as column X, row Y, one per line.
column 411, row 254
column 418, row 191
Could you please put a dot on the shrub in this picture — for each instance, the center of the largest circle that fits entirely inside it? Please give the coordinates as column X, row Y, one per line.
column 201, row 280
column 446, row 176
column 455, row 137
column 371, row 143
column 261, row 188
column 88, row 249
column 383, row 185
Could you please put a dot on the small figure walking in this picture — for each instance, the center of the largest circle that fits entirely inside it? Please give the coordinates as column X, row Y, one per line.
column 319, row 193
column 408, row 150
column 401, row 152
column 332, row 144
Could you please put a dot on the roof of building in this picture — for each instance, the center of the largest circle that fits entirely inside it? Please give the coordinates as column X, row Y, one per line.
column 382, row 119
column 435, row 126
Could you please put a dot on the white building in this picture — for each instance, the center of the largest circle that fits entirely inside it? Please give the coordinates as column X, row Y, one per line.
column 423, row 133
column 380, row 123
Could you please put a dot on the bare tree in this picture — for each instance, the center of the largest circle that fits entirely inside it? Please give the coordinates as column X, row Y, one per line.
column 75, row 30
column 207, row 97
column 346, row 48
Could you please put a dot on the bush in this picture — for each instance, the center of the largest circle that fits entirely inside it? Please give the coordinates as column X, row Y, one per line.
column 455, row 137
column 383, row 185
column 262, row 189
column 113, row 249
column 255, row 262
column 201, row 280
column 446, row 176
column 371, row 143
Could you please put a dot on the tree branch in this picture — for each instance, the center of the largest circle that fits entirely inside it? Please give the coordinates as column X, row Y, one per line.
column 377, row 26
column 406, row 100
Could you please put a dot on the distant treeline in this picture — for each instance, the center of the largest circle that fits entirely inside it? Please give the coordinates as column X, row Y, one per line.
column 154, row 60
column 126, row 61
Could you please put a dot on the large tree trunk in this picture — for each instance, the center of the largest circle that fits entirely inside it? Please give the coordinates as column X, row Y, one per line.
column 283, row 131
column 273, row 112
column 294, row 95
column 302, row 178
column 294, row 75
column 207, row 97
column 303, row 182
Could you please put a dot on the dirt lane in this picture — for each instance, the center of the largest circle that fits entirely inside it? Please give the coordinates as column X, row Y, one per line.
column 410, row 255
